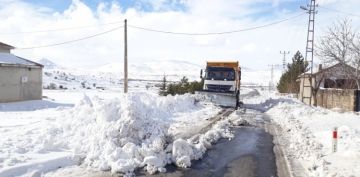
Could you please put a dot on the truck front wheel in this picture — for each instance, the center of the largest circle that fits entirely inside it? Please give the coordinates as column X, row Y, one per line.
column 237, row 100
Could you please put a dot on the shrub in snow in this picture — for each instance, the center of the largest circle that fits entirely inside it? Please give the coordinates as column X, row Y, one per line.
column 52, row 86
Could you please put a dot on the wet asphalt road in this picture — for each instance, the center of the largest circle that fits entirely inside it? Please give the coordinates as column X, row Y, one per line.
column 249, row 154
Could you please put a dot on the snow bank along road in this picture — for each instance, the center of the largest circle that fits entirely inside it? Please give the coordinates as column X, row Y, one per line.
column 304, row 135
column 101, row 135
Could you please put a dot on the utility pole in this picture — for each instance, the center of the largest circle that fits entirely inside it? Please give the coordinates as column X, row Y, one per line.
column 125, row 59
column 309, row 52
column 284, row 59
column 271, row 84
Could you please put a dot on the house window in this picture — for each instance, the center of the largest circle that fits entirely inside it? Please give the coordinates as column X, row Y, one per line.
column 329, row 83
column 340, row 83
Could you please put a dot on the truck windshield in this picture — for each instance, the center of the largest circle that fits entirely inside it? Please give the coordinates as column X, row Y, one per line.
column 220, row 73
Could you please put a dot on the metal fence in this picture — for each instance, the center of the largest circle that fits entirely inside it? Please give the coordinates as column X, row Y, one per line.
column 357, row 108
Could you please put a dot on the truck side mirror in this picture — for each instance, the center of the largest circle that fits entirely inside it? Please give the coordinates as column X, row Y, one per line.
column 201, row 73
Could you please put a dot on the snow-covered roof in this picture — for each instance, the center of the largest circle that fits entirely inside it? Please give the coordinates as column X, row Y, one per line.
column 6, row 46
column 336, row 70
column 10, row 59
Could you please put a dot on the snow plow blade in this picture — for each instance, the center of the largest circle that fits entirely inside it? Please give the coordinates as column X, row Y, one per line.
column 220, row 99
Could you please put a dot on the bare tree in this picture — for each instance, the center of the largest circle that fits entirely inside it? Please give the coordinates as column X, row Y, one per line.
column 341, row 44
column 315, row 89
column 356, row 60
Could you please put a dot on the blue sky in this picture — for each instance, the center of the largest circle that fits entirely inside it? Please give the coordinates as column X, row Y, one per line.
column 267, row 7
column 61, row 5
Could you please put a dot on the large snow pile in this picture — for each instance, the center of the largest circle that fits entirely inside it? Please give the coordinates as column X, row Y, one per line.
column 307, row 132
column 120, row 134
column 123, row 135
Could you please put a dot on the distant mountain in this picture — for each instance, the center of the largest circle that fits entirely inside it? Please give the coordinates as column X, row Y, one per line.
column 111, row 74
column 154, row 69
column 243, row 68
column 175, row 70
column 48, row 64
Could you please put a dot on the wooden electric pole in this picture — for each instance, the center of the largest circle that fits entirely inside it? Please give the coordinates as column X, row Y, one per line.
column 125, row 59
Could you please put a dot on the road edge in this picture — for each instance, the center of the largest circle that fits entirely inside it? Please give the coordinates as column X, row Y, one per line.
column 283, row 165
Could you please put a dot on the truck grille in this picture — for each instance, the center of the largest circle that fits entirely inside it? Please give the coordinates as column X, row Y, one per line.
column 218, row 88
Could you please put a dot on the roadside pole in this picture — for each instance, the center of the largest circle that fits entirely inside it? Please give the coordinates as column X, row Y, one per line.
column 125, row 59
column 334, row 146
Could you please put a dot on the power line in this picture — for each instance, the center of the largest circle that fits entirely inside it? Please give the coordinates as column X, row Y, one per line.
column 338, row 11
column 216, row 33
column 61, row 29
column 153, row 30
column 71, row 41
column 117, row 22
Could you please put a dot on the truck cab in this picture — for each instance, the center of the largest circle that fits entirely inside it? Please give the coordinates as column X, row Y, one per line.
column 222, row 79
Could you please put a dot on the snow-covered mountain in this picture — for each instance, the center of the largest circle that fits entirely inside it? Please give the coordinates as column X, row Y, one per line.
column 48, row 64
column 155, row 70
column 141, row 74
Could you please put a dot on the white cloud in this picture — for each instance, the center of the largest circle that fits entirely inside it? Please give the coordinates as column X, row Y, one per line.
column 326, row 2
column 255, row 49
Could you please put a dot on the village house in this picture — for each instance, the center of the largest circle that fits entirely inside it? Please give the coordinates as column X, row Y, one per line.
column 330, row 87
column 20, row 79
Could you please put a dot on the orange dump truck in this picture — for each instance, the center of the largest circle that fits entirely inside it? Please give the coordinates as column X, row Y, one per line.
column 222, row 82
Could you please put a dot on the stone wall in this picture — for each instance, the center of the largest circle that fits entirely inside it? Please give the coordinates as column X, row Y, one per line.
column 337, row 98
